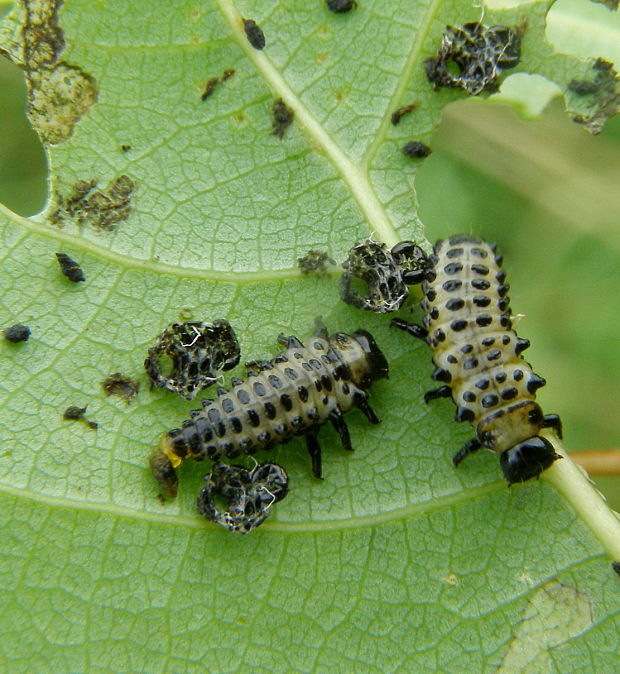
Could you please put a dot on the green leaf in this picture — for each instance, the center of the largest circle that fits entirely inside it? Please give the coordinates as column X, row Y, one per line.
column 395, row 561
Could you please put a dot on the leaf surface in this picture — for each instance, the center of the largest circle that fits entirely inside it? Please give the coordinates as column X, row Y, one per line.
column 395, row 560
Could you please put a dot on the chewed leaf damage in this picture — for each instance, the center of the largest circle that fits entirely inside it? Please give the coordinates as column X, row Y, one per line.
column 59, row 93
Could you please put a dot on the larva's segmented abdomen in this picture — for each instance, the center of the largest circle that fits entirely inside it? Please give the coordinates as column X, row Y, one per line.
column 468, row 321
column 289, row 394
column 478, row 357
column 292, row 394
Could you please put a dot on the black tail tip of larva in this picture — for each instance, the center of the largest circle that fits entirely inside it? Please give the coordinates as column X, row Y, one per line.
column 528, row 459
column 377, row 363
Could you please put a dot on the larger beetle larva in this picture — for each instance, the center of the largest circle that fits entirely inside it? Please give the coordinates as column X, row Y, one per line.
column 478, row 357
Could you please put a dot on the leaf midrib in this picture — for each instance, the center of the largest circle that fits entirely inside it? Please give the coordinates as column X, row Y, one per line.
column 196, row 523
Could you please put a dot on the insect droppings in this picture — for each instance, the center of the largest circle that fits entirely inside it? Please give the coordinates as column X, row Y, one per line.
column 292, row 394
column 315, row 262
column 17, row 333
column 70, row 268
column 74, row 413
column 478, row 357
column 416, row 149
column 120, row 385
column 282, row 118
column 340, row 6
column 401, row 112
column 255, row 35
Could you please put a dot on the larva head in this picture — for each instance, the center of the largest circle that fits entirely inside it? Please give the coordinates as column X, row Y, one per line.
column 362, row 356
column 528, row 459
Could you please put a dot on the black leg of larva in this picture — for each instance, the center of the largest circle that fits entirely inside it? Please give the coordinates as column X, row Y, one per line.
column 340, row 425
column 553, row 421
column 288, row 342
column 413, row 329
column 360, row 400
column 441, row 392
column 468, row 448
column 314, row 449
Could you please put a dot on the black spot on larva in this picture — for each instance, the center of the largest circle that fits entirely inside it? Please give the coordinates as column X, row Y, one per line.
column 479, row 252
column 255, row 35
column 259, row 388
column 270, row 410
column 17, row 333
column 470, row 363
column 253, row 418
column 455, row 304
column 302, row 392
column 416, row 150
column 286, row 402
column 452, row 285
column 228, row 405
column 243, row 396
column 489, row 400
column 70, row 268
column 509, row 393
column 453, row 268
column 481, row 269
column 236, row 425
column 439, row 335
column 506, row 420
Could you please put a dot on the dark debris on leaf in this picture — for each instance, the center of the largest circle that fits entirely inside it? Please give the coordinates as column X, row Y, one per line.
column 597, row 100
column 402, row 111
column 75, row 413
column 282, row 118
column 17, row 333
column 196, row 351
column 477, row 53
column 416, row 149
column 386, row 274
column 315, row 262
column 120, row 385
column 255, row 35
column 70, row 268
column 341, row 6
column 249, row 495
